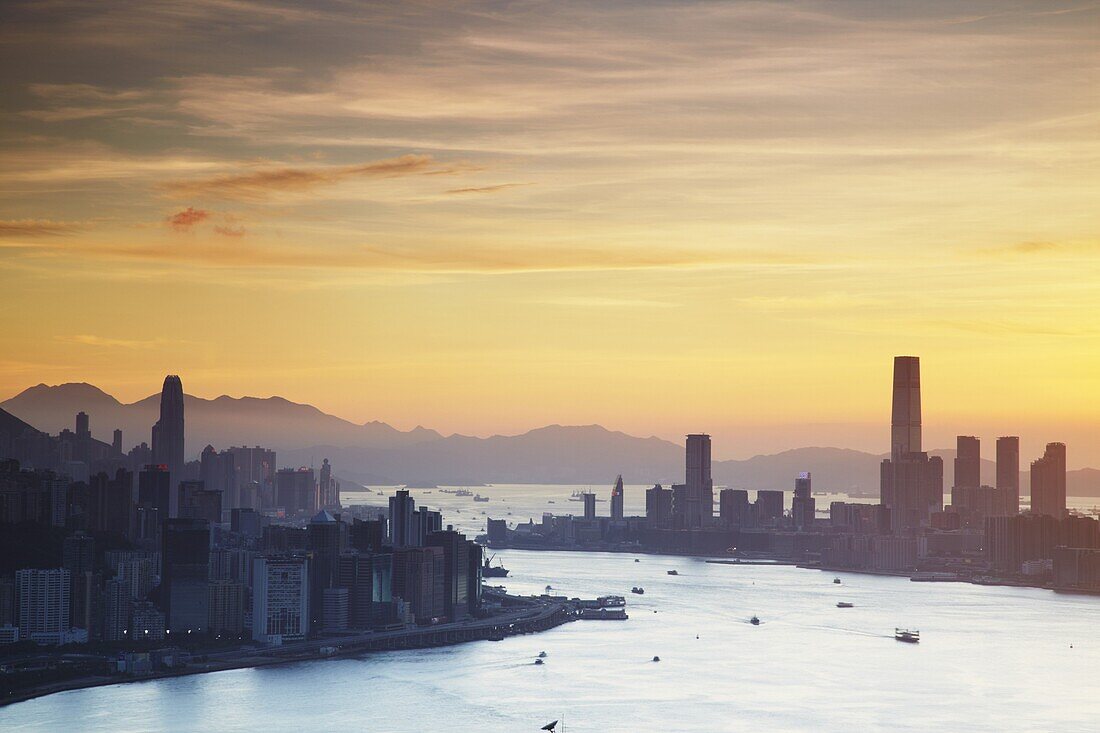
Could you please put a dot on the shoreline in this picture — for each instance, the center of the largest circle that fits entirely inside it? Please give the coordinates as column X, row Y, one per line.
column 542, row 617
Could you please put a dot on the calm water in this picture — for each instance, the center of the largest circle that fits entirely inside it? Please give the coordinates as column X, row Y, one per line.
column 995, row 659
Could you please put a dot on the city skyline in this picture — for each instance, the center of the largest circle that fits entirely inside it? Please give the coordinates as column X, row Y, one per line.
column 539, row 236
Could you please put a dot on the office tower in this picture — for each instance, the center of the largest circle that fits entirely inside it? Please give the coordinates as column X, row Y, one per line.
column 1048, row 481
column 225, row 604
column 199, row 502
column 418, row 580
column 43, row 605
column 116, row 442
column 327, row 539
column 911, row 482
column 186, row 564
column 769, row 506
column 803, row 506
column 7, row 602
column 116, row 610
column 589, row 505
column 155, row 490
column 425, row 521
column 370, row 581
column 968, row 466
column 329, row 487
column 146, row 623
column 617, row 499
column 455, row 571
column 367, row 535
column 78, row 557
column 700, row 486
column 136, row 570
column 82, row 429
column 168, row 448
column 402, row 528
column 1008, row 469
column 280, row 599
column 109, row 503
column 296, row 490
column 475, row 556
column 334, row 610
column 733, row 507
column 218, row 472
column 255, row 469
column 658, row 507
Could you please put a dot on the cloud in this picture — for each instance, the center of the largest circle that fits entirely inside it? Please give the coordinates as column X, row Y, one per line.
column 189, row 217
column 230, row 230
column 34, row 228
column 487, row 189
column 261, row 184
column 87, row 339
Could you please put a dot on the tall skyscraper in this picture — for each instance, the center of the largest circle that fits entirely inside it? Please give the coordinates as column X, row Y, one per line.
column 803, row 506
column 617, row 499
column 911, row 482
column 402, row 528
column 168, row 448
column 456, row 568
column 186, row 560
column 1008, row 470
column 658, row 507
column 1048, row 481
column 968, row 466
column 589, row 505
column 116, row 442
column 700, row 486
column 155, row 491
column 280, row 599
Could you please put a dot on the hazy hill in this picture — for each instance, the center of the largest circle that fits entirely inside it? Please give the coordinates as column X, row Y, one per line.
column 377, row 453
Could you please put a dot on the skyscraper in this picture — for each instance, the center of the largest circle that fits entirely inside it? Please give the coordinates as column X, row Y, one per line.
column 280, row 599
column 700, row 486
column 186, row 560
column 968, row 466
column 402, row 527
column 617, row 499
column 803, row 506
column 155, row 491
column 589, row 505
column 1048, row 481
column 168, row 446
column 43, row 605
column 658, row 507
column 1008, row 470
column 911, row 482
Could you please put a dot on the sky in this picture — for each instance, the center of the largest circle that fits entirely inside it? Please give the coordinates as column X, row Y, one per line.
column 662, row 217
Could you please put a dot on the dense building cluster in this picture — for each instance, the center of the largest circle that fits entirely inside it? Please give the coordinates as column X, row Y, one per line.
column 130, row 550
column 981, row 533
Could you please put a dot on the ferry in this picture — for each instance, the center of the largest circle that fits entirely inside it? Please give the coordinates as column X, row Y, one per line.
column 637, row 589
column 836, row 581
column 755, row 620
column 907, row 635
column 479, row 497
column 673, row 572
column 538, row 661
column 844, row 604
column 464, row 492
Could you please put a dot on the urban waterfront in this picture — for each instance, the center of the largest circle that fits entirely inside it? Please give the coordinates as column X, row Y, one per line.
column 990, row 658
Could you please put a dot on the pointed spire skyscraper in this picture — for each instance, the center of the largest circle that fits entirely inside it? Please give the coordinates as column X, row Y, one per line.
column 168, row 432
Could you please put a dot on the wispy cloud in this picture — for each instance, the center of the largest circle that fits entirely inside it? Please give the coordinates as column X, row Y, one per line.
column 264, row 183
column 487, row 189
column 88, row 339
column 183, row 221
column 34, row 228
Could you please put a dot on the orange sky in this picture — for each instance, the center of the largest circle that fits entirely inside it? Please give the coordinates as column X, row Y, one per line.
column 661, row 217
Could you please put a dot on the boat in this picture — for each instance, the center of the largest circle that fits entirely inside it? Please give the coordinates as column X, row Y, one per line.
column 836, row 580
column 542, row 655
column 673, row 572
column 844, row 604
column 602, row 614
column 755, row 620
column 550, row 502
column 637, row 560
column 464, row 492
column 488, row 570
column 538, row 661
column 549, row 588
column 637, row 589
column 911, row 636
column 656, row 658
column 479, row 497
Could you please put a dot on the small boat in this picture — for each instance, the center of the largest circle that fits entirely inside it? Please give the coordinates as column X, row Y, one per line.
column 550, row 502
column 549, row 588
column 637, row 560
column 479, row 497
column 488, row 570
column 844, row 604
column 542, row 655
column 538, row 661
column 907, row 635
column 836, row 581
column 656, row 658
column 637, row 589
column 755, row 620
column 673, row 572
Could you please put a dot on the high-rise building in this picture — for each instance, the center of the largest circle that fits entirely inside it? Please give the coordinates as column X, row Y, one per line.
column 367, row 535
column 327, row 539
column 911, row 481
column 155, row 490
column 225, row 604
column 769, row 506
column 589, row 505
column 425, row 521
column 371, row 581
column 110, row 502
column 186, row 566
column 968, row 465
column 803, row 506
column 329, row 487
column 196, row 501
column 78, row 557
column 456, row 571
column 82, row 428
column 700, row 486
column 168, row 445
column 296, row 490
column 617, row 498
column 658, row 507
column 280, row 599
column 43, row 605
column 1048, row 481
column 402, row 528
column 116, row 610
column 1008, row 469
column 116, row 442
column 733, row 507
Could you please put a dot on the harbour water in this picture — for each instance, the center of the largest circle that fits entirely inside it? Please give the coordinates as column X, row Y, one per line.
column 990, row 659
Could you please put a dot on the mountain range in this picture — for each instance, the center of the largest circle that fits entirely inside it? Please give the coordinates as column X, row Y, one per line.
column 377, row 453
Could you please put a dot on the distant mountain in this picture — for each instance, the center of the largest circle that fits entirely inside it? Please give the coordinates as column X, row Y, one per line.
column 376, row 453
column 272, row 422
